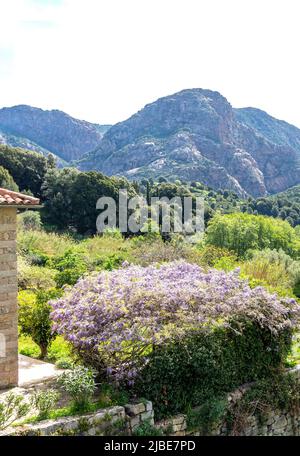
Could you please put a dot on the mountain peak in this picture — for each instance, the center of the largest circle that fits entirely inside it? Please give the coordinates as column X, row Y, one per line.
column 195, row 134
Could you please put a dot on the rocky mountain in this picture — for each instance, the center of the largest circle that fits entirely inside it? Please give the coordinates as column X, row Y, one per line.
column 276, row 131
column 197, row 135
column 49, row 131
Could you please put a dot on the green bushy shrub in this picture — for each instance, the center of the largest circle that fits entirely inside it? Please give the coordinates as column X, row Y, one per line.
column 209, row 255
column 64, row 364
column 34, row 277
column 241, row 232
column 29, row 220
column 275, row 268
column 112, row 233
column 70, row 267
column 44, row 401
column 41, row 242
column 202, row 366
column 80, row 384
column 147, row 429
column 209, row 414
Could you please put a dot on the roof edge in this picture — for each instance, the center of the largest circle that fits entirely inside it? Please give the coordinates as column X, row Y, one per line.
column 16, row 198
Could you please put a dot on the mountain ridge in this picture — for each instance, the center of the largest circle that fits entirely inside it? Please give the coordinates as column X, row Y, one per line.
column 192, row 135
column 195, row 134
column 48, row 131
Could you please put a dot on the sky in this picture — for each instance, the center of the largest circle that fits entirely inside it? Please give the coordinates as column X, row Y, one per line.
column 103, row 60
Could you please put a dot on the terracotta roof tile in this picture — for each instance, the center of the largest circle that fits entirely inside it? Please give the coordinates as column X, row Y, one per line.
column 9, row 198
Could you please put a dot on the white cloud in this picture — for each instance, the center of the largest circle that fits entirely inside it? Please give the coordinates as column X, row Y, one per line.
column 102, row 60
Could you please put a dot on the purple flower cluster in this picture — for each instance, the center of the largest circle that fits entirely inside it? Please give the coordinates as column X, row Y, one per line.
column 114, row 319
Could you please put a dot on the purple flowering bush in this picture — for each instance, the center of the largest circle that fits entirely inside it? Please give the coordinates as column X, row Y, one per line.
column 126, row 321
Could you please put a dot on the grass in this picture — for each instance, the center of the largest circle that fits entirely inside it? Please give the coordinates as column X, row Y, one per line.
column 58, row 350
column 107, row 397
column 49, row 244
column 63, row 412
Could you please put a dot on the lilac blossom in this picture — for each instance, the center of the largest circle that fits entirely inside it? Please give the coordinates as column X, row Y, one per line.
column 114, row 319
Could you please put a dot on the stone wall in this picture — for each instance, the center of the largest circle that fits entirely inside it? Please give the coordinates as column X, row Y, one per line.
column 125, row 420
column 8, row 299
column 110, row 421
column 275, row 424
column 139, row 413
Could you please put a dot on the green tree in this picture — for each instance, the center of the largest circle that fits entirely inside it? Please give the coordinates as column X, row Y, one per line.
column 34, row 317
column 240, row 232
column 58, row 193
column 27, row 168
column 71, row 197
column 6, row 181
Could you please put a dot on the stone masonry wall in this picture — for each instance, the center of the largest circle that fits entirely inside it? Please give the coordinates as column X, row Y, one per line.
column 275, row 424
column 111, row 421
column 8, row 299
column 125, row 420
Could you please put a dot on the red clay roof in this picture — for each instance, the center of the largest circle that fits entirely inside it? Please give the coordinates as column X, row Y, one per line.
column 9, row 198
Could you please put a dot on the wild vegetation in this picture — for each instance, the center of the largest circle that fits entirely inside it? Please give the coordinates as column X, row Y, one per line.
column 61, row 266
column 150, row 313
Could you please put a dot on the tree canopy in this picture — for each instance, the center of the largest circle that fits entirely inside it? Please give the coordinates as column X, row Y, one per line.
column 240, row 232
column 6, row 180
column 27, row 168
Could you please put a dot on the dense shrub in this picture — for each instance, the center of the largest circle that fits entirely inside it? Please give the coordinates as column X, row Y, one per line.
column 209, row 255
column 42, row 243
column 44, row 401
column 176, row 332
column 29, row 220
column 274, row 268
column 242, row 232
column 208, row 364
column 34, row 277
column 70, row 267
column 147, row 250
column 80, row 384
column 110, row 247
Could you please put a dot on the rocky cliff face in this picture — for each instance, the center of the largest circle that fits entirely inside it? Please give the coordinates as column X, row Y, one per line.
column 48, row 131
column 196, row 135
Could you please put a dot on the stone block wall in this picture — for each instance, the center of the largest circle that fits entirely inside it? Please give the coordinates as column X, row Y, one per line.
column 125, row 420
column 139, row 413
column 275, row 424
column 8, row 299
column 176, row 425
column 111, row 421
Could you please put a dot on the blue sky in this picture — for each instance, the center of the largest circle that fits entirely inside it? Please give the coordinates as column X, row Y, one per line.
column 102, row 60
